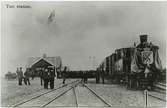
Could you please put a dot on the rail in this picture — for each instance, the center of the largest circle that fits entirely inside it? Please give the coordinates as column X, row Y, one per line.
column 156, row 97
column 61, row 94
column 20, row 103
column 99, row 97
column 75, row 97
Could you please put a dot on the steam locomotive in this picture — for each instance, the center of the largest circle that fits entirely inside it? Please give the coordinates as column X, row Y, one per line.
column 136, row 67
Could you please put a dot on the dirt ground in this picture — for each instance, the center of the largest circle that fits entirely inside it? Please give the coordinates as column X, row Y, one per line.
column 116, row 95
column 12, row 93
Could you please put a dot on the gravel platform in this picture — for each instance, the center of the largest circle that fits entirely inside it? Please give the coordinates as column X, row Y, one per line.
column 12, row 93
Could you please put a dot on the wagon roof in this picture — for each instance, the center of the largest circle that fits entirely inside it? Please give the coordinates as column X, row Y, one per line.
column 125, row 48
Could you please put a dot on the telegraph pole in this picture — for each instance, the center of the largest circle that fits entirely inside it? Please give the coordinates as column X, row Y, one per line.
column 89, row 63
column 93, row 62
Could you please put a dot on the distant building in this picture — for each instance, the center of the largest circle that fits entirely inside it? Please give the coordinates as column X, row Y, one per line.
column 37, row 63
column 10, row 75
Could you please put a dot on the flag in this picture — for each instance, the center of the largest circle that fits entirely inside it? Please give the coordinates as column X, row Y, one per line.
column 134, row 64
column 157, row 60
column 51, row 17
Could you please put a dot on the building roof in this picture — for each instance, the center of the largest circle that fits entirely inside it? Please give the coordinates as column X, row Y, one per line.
column 55, row 61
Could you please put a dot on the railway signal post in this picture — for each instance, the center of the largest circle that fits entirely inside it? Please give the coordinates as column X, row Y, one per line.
column 146, row 97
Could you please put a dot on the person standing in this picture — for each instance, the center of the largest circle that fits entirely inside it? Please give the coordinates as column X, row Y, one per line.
column 19, row 75
column 27, row 77
column 17, row 72
column 41, row 75
column 82, row 72
column 46, row 78
column 97, row 75
column 64, row 74
column 102, row 75
column 85, row 76
column 51, row 77
column 32, row 74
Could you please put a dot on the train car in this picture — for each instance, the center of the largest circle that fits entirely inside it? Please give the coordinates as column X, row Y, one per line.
column 122, row 63
column 137, row 67
column 113, row 60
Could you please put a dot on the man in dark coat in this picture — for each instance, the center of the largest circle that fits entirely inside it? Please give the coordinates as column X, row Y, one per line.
column 51, row 77
column 33, row 74
column 97, row 75
column 19, row 75
column 85, row 76
column 82, row 72
column 27, row 76
column 41, row 75
column 64, row 74
column 46, row 78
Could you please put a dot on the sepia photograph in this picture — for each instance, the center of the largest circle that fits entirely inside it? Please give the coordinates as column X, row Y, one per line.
column 83, row 54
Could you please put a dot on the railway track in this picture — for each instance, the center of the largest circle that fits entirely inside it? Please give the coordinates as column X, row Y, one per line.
column 159, row 92
column 157, row 97
column 160, row 87
column 79, row 95
column 48, row 92
column 76, row 98
column 61, row 94
column 60, row 99
column 98, row 96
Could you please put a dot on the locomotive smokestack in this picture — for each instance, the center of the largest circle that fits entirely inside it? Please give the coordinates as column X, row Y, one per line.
column 143, row 38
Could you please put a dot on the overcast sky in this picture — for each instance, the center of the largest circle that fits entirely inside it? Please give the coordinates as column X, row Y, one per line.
column 79, row 30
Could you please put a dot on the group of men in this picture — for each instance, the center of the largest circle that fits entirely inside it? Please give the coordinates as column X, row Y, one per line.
column 23, row 77
column 47, row 76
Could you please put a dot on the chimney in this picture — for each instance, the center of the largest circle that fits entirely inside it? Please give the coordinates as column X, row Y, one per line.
column 44, row 55
column 143, row 38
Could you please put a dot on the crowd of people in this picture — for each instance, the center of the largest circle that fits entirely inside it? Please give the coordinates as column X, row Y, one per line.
column 46, row 74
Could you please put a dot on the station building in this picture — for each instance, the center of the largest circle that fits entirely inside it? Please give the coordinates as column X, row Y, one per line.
column 36, row 64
